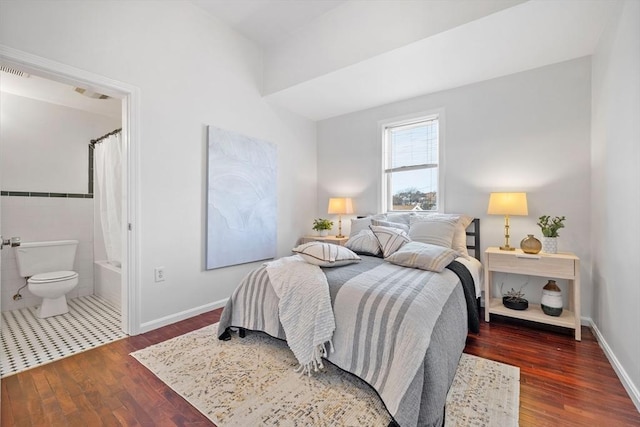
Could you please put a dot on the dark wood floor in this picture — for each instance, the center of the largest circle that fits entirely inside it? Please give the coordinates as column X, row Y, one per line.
column 563, row 382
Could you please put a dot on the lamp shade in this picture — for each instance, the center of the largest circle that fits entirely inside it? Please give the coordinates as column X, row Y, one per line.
column 507, row 204
column 340, row 205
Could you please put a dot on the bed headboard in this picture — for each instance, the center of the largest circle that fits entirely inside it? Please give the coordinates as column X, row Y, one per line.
column 474, row 231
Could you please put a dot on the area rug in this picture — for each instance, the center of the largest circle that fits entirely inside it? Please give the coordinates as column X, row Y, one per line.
column 251, row 382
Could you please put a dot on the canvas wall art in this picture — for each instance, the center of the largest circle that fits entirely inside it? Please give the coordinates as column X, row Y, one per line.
column 241, row 199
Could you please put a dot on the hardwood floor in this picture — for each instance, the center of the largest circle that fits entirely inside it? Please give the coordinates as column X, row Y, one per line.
column 563, row 382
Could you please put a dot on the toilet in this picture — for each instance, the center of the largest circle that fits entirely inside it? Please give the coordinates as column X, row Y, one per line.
column 48, row 267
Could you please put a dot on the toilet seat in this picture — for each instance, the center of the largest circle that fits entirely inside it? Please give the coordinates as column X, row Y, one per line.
column 53, row 276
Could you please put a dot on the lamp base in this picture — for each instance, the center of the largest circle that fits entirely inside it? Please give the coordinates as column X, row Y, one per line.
column 340, row 236
column 507, row 248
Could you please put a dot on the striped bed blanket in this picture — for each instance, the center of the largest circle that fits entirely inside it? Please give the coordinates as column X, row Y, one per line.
column 401, row 330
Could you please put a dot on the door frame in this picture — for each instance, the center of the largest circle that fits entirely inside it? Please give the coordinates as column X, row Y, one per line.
column 130, row 96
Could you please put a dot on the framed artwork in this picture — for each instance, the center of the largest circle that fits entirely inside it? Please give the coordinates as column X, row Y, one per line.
column 241, row 199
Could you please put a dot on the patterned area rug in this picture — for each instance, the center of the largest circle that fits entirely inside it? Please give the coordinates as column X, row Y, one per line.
column 251, row 381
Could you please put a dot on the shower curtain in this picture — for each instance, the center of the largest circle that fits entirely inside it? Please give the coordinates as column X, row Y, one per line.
column 108, row 172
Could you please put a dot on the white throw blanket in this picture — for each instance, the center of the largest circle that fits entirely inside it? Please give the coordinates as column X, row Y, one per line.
column 304, row 308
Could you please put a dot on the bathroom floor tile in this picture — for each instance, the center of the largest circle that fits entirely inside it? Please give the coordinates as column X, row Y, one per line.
column 28, row 341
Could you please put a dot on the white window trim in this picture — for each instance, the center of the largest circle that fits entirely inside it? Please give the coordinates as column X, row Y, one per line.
column 405, row 120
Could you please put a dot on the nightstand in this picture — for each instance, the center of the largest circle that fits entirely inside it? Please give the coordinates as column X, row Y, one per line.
column 326, row 239
column 560, row 266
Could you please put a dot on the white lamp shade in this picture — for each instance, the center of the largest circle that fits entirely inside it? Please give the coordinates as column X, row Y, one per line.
column 340, row 205
column 507, row 204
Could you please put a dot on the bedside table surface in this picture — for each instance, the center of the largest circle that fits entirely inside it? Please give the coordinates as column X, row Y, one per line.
column 520, row 253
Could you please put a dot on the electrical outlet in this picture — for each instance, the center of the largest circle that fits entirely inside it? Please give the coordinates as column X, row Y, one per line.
column 159, row 274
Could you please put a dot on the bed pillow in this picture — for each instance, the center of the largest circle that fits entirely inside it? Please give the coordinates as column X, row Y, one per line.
column 401, row 226
column 326, row 254
column 390, row 239
column 433, row 229
column 359, row 224
column 459, row 242
column 424, row 256
column 400, row 217
column 364, row 243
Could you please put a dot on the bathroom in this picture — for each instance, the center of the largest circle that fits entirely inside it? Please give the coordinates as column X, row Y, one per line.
column 50, row 179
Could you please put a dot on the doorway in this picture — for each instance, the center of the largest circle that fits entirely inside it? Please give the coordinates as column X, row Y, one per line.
column 129, row 96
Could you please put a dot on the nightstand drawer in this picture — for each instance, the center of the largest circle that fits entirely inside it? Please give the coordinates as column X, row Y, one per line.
column 551, row 266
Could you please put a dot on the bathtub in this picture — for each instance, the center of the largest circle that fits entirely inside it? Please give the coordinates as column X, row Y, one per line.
column 107, row 279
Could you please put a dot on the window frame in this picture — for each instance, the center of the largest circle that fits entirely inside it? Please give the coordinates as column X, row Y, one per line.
column 385, row 201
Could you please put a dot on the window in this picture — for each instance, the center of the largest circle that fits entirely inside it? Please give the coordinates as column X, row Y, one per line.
column 411, row 177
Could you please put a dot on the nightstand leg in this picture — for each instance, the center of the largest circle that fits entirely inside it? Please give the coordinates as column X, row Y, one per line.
column 488, row 277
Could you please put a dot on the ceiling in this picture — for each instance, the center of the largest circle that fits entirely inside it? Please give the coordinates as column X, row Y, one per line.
column 325, row 58
column 267, row 22
column 34, row 87
column 501, row 37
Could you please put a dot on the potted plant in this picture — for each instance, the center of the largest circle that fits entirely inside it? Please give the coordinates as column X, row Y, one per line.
column 322, row 226
column 550, row 227
column 515, row 300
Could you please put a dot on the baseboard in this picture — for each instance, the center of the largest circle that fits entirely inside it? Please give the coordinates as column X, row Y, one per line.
column 168, row 320
column 628, row 385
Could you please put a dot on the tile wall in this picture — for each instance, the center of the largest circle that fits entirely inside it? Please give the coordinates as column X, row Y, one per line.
column 37, row 218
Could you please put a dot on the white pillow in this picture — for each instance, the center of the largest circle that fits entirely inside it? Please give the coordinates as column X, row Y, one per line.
column 459, row 242
column 359, row 224
column 401, row 226
column 400, row 217
column 434, row 230
column 364, row 242
column 423, row 256
column 326, row 254
column 390, row 239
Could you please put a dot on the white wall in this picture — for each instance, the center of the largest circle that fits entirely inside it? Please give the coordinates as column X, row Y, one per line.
column 44, row 146
column 44, row 149
column 616, row 193
column 524, row 132
column 192, row 71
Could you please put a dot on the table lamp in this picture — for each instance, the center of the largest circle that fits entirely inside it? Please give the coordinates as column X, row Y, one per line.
column 507, row 204
column 340, row 206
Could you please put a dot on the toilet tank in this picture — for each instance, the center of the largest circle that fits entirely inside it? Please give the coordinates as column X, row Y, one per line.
column 42, row 257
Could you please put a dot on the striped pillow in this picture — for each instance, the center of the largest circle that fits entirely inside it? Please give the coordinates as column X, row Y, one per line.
column 424, row 256
column 326, row 254
column 390, row 239
column 434, row 230
column 459, row 243
column 364, row 243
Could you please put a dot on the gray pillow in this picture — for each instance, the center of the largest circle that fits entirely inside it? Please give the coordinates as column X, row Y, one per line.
column 401, row 226
column 400, row 217
column 359, row 224
column 364, row 243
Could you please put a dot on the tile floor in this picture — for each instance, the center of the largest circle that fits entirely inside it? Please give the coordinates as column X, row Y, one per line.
column 28, row 341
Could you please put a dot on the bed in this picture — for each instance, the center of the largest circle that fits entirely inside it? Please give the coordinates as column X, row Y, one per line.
column 402, row 337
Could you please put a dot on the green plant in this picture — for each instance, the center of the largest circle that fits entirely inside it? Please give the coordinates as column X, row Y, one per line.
column 322, row 224
column 550, row 226
column 513, row 295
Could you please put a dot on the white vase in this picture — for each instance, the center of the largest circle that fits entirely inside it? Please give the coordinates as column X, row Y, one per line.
column 324, row 233
column 550, row 245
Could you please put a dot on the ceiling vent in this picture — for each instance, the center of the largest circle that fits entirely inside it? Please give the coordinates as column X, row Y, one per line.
column 90, row 94
column 13, row 71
